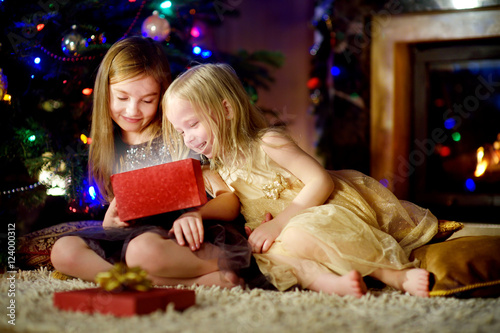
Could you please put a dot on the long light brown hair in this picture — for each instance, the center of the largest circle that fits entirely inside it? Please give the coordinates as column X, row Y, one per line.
column 128, row 58
column 209, row 87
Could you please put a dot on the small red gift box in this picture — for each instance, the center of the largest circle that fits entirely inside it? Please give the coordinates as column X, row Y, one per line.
column 123, row 304
column 159, row 189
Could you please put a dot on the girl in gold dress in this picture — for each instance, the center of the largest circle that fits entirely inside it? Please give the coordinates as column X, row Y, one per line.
column 328, row 228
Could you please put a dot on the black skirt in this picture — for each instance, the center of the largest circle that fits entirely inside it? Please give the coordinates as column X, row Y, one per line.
column 233, row 251
column 231, row 245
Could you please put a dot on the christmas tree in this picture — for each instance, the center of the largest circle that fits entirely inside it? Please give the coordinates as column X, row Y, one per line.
column 50, row 52
column 339, row 82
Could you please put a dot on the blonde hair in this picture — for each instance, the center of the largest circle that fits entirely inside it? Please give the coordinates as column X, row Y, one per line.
column 208, row 87
column 126, row 59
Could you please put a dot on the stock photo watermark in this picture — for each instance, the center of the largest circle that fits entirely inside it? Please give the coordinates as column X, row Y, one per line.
column 29, row 31
column 11, row 273
column 460, row 111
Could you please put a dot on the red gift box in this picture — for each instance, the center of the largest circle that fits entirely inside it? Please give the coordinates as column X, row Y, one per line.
column 159, row 189
column 123, row 304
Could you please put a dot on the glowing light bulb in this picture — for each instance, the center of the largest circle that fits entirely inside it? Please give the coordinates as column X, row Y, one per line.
column 450, row 123
column 335, row 71
column 87, row 91
column 196, row 50
column 166, row 4
column 206, row 54
column 195, row 32
column 92, row 192
column 444, row 151
column 470, row 185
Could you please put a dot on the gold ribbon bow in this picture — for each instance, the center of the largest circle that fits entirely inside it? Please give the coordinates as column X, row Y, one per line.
column 121, row 277
column 274, row 189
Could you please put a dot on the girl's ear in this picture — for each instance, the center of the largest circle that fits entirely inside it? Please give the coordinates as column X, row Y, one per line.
column 228, row 110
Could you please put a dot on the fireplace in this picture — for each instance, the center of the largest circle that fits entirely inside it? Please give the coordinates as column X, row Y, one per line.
column 455, row 146
column 422, row 147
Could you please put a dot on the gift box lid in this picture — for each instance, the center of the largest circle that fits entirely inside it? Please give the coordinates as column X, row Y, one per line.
column 159, row 189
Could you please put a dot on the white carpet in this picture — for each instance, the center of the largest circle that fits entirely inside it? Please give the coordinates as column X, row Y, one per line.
column 237, row 310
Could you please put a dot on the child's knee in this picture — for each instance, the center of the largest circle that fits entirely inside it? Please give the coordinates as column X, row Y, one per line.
column 64, row 252
column 292, row 239
column 299, row 243
column 145, row 251
column 292, row 235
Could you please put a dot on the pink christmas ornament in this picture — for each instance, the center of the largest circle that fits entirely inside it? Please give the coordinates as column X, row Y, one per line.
column 156, row 27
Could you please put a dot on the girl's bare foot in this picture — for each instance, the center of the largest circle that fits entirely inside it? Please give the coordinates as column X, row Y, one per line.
column 233, row 279
column 350, row 284
column 416, row 282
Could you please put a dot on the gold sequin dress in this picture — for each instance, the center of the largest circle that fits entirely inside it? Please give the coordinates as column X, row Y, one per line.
column 362, row 226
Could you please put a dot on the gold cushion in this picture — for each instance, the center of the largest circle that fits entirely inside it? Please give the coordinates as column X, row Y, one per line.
column 34, row 248
column 463, row 267
column 446, row 229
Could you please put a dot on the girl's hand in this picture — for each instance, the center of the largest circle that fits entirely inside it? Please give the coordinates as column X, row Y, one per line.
column 111, row 218
column 267, row 218
column 189, row 228
column 264, row 235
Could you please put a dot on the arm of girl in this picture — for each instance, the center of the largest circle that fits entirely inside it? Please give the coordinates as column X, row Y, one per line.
column 318, row 186
column 111, row 218
column 224, row 206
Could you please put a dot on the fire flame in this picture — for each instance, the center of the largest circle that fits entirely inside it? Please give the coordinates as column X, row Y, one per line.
column 482, row 164
column 488, row 158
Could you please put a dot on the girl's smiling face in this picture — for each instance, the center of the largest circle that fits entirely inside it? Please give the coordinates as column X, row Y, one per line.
column 185, row 121
column 133, row 105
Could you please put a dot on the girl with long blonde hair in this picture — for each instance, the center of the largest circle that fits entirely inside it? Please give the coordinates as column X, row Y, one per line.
column 329, row 229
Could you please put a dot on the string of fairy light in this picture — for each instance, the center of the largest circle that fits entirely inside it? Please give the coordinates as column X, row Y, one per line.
column 21, row 188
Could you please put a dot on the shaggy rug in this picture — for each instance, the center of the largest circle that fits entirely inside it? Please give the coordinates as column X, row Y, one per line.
column 238, row 310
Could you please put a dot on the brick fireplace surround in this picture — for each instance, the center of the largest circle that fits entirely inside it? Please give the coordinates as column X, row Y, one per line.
column 390, row 92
